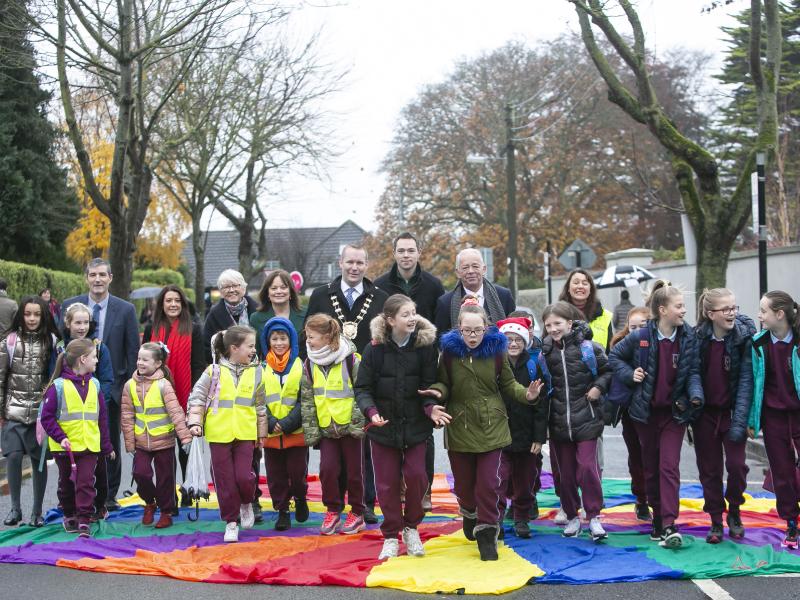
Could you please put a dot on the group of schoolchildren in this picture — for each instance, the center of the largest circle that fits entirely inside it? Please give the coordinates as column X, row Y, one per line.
column 499, row 394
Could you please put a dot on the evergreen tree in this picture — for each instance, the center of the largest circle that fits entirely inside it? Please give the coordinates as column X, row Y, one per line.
column 37, row 208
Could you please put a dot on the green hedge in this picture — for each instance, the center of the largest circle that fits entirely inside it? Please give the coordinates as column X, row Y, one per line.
column 158, row 277
column 29, row 280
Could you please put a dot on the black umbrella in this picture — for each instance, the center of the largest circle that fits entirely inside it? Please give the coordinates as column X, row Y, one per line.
column 623, row 276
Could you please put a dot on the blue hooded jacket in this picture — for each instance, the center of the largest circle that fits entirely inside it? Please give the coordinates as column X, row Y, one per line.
column 293, row 420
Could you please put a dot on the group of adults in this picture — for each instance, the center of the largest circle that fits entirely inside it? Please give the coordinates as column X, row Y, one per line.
column 351, row 298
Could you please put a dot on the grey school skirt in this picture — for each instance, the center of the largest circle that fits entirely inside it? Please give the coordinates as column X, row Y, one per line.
column 18, row 437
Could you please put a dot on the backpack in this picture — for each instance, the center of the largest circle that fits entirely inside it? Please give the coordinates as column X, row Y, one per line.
column 619, row 393
column 536, row 364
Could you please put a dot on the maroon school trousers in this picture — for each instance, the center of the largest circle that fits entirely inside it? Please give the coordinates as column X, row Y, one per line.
column 577, row 468
column 234, row 478
column 661, row 439
column 349, row 451
column 287, row 470
column 477, row 483
column 635, row 466
column 392, row 466
column 76, row 499
column 782, row 443
column 518, row 472
column 163, row 491
column 710, row 438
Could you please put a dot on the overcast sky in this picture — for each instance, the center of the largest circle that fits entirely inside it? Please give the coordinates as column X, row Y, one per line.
column 393, row 49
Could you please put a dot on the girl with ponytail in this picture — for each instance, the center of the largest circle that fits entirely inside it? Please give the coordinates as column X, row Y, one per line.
column 152, row 417
column 776, row 400
column 724, row 339
column 76, row 443
column 667, row 395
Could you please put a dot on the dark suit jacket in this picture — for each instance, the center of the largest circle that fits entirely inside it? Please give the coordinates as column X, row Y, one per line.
column 425, row 290
column 443, row 324
column 121, row 337
column 320, row 302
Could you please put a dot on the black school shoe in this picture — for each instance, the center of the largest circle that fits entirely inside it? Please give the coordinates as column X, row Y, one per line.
column 14, row 517
column 258, row 513
column 657, row 533
column 112, row 505
column 643, row 512
column 534, row 512
column 369, row 515
column 468, row 525
column 301, row 512
column 715, row 533
column 487, row 542
column 522, row 529
column 735, row 527
column 284, row 521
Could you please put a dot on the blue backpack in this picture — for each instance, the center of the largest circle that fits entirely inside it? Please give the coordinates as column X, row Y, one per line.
column 537, row 360
column 619, row 393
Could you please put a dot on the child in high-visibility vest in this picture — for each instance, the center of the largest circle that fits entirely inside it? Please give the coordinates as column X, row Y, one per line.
column 334, row 421
column 151, row 418
column 74, row 417
column 227, row 404
column 285, row 450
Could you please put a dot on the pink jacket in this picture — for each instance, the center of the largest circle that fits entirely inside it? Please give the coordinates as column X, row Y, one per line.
column 145, row 441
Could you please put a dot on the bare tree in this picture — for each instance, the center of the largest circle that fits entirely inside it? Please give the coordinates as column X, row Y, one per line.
column 717, row 214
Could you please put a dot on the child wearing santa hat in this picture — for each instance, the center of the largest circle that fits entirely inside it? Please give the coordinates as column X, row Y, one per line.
column 520, row 462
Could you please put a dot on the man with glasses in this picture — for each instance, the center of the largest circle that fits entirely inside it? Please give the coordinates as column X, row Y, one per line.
column 496, row 300
column 407, row 277
column 234, row 308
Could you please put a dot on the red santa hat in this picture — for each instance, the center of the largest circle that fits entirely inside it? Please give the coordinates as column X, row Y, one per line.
column 519, row 325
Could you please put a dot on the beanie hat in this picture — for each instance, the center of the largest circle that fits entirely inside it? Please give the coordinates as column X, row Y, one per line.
column 518, row 325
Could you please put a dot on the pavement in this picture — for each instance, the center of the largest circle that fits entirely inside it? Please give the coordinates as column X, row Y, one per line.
column 33, row 582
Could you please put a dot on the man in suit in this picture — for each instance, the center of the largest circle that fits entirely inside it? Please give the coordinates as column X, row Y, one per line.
column 115, row 324
column 354, row 301
column 471, row 271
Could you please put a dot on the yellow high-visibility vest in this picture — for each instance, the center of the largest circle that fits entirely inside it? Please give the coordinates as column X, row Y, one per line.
column 282, row 399
column 153, row 416
column 333, row 395
column 235, row 418
column 600, row 328
column 78, row 418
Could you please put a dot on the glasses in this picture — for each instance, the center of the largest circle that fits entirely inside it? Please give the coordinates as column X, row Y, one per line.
column 230, row 288
column 726, row 310
column 473, row 332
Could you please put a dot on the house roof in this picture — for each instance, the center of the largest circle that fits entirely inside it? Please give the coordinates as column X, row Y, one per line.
column 222, row 250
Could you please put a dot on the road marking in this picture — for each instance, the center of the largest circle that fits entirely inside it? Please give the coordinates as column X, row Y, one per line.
column 712, row 589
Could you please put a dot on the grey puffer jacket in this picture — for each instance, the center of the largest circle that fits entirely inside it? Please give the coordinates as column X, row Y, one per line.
column 22, row 383
column 573, row 417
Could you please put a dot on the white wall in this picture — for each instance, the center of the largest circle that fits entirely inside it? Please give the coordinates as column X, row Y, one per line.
column 783, row 273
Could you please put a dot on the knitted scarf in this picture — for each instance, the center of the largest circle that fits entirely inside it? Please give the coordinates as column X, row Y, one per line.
column 325, row 356
column 179, row 360
column 238, row 312
column 492, row 305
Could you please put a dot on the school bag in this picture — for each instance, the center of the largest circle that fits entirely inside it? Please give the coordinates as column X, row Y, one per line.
column 619, row 393
column 11, row 346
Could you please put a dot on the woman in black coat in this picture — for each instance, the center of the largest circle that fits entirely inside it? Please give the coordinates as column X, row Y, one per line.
column 401, row 360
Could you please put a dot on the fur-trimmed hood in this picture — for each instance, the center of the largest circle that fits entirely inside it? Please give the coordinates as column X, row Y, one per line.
column 743, row 328
column 492, row 343
column 424, row 334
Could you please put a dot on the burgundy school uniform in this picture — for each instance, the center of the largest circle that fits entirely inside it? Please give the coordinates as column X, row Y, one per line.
column 287, row 474
column 163, row 462
column 577, row 466
column 779, row 392
column 234, row 478
column 335, row 452
column 668, row 350
column 715, row 379
column 410, row 464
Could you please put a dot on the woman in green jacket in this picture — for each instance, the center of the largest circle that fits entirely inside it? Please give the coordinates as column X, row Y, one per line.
column 473, row 373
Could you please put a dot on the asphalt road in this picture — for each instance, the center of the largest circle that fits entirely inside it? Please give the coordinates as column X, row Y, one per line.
column 33, row 582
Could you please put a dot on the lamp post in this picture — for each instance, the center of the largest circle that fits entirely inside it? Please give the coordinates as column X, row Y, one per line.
column 761, row 160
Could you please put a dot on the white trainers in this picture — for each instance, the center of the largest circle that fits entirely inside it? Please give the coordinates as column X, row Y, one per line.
column 391, row 547
column 246, row 516
column 412, row 542
column 573, row 528
column 596, row 529
column 561, row 517
column 231, row 532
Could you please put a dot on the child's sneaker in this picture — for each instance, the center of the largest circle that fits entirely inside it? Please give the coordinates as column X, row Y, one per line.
column 71, row 524
column 715, row 533
column 672, row 539
column 657, row 532
column 352, row 524
column 735, row 527
column 643, row 512
column 149, row 514
column 246, row 515
column 596, row 529
column 231, row 532
column 412, row 542
column 573, row 528
column 84, row 531
column 330, row 523
column 99, row 514
column 561, row 517
column 391, row 548
column 790, row 541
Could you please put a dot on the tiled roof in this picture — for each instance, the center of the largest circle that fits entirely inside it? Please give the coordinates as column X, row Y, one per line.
column 306, row 249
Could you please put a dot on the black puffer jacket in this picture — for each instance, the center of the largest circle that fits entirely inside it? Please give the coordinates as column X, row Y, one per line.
column 528, row 424
column 393, row 391
column 573, row 418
